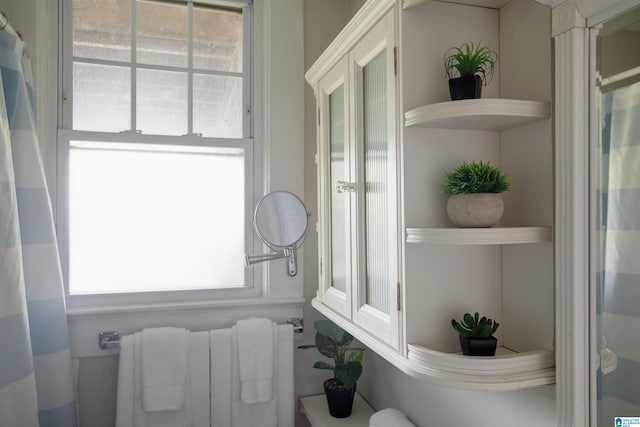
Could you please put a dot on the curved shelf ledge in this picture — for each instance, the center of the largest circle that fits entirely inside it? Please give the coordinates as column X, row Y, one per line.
column 507, row 370
column 479, row 236
column 478, row 114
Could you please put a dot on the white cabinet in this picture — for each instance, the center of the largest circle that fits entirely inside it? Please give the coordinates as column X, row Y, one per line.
column 357, row 164
column 393, row 270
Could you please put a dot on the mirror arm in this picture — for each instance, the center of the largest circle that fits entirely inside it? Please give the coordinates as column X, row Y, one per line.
column 253, row 259
column 289, row 253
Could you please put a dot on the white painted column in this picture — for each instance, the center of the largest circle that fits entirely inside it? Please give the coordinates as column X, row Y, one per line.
column 572, row 216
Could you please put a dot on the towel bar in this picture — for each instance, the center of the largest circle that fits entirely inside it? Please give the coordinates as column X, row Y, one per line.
column 111, row 339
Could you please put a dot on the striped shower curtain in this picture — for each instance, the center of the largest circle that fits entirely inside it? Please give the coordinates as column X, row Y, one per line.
column 36, row 381
column 620, row 229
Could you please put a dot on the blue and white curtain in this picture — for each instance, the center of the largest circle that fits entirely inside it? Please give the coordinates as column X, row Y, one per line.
column 619, row 222
column 36, row 380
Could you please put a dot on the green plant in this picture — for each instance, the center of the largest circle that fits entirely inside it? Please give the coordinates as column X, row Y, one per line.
column 475, row 177
column 470, row 59
column 334, row 342
column 475, row 327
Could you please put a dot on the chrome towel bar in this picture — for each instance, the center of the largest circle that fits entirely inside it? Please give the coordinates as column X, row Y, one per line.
column 111, row 339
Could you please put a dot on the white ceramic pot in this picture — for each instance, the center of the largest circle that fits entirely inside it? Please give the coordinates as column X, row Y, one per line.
column 475, row 210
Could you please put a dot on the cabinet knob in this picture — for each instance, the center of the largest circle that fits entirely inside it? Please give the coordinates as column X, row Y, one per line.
column 345, row 187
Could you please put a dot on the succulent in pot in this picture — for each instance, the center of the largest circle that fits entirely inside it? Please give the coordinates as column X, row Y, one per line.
column 468, row 67
column 474, row 190
column 476, row 334
column 335, row 343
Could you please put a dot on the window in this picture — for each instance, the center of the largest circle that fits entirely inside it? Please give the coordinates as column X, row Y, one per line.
column 156, row 145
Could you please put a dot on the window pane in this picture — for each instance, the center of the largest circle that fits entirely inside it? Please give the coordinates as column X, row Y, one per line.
column 101, row 98
column 155, row 218
column 161, row 37
column 101, row 29
column 217, row 106
column 162, row 102
column 217, row 39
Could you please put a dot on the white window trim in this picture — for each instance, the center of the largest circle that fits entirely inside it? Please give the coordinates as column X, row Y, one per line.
column 279, row 124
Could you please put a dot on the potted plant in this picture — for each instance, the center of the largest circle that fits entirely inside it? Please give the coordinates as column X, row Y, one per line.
column 468, row 67
column 334, row 343
column 476, row 335
column 474, row 190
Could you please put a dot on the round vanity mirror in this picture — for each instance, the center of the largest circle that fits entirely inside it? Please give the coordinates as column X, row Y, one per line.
column 280, row 219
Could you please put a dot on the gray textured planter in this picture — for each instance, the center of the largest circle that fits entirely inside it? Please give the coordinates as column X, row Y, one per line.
column 475, row 210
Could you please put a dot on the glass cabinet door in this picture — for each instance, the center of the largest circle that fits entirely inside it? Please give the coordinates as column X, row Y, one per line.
column 373, row 76
column 335, row 188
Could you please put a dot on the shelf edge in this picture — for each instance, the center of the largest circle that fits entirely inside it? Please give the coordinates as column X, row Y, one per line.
column 525, row 110
column 479, row 236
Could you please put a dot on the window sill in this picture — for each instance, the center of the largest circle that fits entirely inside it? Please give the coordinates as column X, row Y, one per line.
column 79, row 312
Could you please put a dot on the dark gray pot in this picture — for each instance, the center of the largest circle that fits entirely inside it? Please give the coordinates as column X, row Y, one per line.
column 339, row 398
column 478, row 347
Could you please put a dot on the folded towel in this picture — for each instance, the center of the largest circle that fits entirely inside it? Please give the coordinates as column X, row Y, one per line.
column 125, row 393
column 221, row 373
column 164, row 368
column 255, row 343
column 198, row 380
column 227, row 410
column 263, row 414
column 389, row 418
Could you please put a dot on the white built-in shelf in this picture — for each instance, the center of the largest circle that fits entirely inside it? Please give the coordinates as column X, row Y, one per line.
column 479, row 236
column 478, row 114
column 493, row 4
column 507, row 370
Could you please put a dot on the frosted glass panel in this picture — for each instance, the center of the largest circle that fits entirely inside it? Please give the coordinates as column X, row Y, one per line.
column 102, row 30
column 376, row 196
column 145, row 218
column 162, row 33
column 217, row 106
column 162, row 102
column 217, row 39
column 101, row 98
column 337, row 201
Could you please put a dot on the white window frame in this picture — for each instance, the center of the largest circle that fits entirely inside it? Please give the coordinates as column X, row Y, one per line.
column 252, row 154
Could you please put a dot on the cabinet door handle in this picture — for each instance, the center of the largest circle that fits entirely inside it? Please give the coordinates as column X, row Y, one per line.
column 345, row 187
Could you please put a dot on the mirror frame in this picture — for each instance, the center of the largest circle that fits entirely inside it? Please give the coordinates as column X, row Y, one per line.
column 289, row 252
column 574, row 25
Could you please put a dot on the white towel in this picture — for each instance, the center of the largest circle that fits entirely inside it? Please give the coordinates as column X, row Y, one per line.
column 255, row 339
column 389, row 418
column 164, row 368
column 263, row 414
column 227, row 410
column 221, row 374
column 195, row 412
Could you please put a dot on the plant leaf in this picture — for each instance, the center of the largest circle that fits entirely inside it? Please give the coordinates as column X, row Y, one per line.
column 348, row 373
column 355, row 356
column 322, row 365
column 329, row 329
column 326, row 345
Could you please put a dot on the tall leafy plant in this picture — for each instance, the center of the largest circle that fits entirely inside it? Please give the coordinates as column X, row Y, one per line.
column 470, row 59
column 335, row 343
